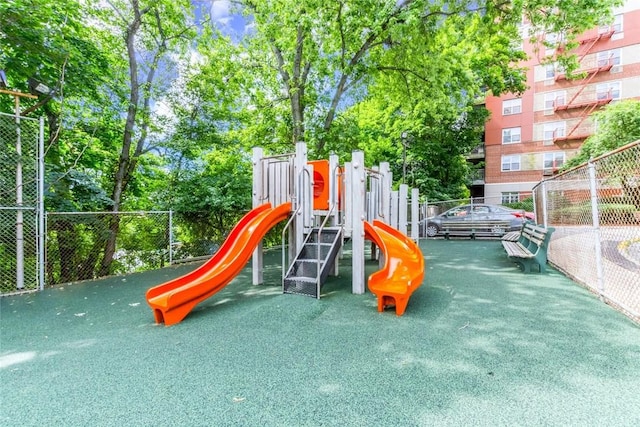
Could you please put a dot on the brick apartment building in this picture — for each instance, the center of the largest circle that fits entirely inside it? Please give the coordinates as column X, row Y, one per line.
column 529, row 137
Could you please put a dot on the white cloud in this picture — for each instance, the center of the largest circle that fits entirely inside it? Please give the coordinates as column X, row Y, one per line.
column 220, row 9
column 249, row 28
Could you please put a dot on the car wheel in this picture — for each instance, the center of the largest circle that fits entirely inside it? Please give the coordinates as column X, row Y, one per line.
column 432, row 230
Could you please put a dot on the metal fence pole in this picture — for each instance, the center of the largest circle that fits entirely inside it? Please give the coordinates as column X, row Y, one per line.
column 596, row 226
column 545, row 206
column 40, row 210
column 170, row 237
column 19, row 213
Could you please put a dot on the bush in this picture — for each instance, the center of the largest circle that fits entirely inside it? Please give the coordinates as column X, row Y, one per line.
column 525, row 204
column 609, row 214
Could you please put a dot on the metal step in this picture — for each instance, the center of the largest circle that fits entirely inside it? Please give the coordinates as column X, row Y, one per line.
column 301, row 286
column 302, row 276
column 310, row 251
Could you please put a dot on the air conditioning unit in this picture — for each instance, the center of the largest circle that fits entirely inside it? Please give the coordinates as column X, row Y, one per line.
column 548, row 171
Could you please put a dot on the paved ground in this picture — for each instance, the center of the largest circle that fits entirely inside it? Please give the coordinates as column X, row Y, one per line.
column 481, row 344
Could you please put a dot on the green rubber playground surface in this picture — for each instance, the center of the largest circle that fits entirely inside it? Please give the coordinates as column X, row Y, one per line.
column 481, row 344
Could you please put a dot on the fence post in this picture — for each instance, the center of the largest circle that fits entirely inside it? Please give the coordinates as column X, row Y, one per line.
column 19, row 212
column 170, row 237
column 596, row 225
column 545, row 208
column 40, row 209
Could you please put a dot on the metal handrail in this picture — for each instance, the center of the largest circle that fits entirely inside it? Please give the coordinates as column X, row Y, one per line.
column 333, row 206
column 285, row 268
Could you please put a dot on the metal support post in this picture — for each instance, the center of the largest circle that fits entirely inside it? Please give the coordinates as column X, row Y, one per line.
column 596, row 226
column 257, row 264
column 358, row 217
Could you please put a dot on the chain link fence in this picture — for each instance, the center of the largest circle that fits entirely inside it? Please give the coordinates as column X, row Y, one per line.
column 149, row 240
column 76, row 243
column 19, row 203
column 595, row 210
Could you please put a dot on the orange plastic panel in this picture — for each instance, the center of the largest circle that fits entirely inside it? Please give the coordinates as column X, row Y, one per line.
column 173, row 301
column 403, row 269
column 321, row 178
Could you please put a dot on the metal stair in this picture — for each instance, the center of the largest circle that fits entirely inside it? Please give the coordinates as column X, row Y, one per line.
column 303, row 276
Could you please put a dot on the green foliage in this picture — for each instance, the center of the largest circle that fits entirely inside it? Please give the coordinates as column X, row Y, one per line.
column 618, row 125
column 210, row 200
column 609, row 214
column 340, row 75
column 566, row 20
column 50, row 40
column 525, row 204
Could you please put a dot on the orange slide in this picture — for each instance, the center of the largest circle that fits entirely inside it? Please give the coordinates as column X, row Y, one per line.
column 172, row 301
column 403, row 269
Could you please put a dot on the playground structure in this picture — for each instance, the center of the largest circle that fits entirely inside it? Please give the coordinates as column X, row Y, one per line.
column 325, row 204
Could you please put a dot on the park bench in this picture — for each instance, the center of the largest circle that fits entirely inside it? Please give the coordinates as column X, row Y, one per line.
column 473, row 229
column 514, row 236
column 530, row 248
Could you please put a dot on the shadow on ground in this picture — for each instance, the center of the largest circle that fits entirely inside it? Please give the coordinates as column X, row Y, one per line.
column 480, row 344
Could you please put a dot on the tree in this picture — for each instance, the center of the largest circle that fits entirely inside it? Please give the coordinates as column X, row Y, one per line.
column 618, row 125
column 150, row 31
column 320, row 57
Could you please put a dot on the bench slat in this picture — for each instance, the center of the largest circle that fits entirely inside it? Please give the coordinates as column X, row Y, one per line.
column 473, row 228
column 530, row 247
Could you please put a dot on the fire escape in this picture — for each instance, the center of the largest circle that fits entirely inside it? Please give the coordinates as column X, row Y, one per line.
column 583, row 105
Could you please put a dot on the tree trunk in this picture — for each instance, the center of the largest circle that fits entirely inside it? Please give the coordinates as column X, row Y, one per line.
column 125, row 163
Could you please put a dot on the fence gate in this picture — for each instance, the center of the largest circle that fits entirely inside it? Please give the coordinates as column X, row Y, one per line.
column 21, row 204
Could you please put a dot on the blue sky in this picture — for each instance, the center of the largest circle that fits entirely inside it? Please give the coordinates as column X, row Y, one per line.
column 222, row 14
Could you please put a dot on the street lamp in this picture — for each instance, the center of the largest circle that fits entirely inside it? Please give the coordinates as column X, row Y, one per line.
column 38, row 88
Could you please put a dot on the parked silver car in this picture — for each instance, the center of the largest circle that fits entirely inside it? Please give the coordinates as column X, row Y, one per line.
column 477, row 212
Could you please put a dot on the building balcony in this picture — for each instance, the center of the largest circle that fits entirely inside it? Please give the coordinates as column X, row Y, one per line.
column 476, row 177
column 570, row 141
column 584, row 103
column 477, row 153
column 588, row 72
column 601, row 36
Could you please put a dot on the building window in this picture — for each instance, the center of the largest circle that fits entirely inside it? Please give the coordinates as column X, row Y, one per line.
column 609, row 90
column 510, row 197
column 554, row 130
column 510, row 135
column 608, row 57
column 510, row 163
column 551, row 41
column 511, row 106
column 549, row 71
column 554, row 99
column 616, row 26
column 553, row 161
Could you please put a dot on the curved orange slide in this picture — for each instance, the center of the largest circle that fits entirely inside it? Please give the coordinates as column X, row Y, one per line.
column 403, row 269
column 173, row 300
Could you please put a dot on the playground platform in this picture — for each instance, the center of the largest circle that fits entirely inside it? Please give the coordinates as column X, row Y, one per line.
column 480, row 344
